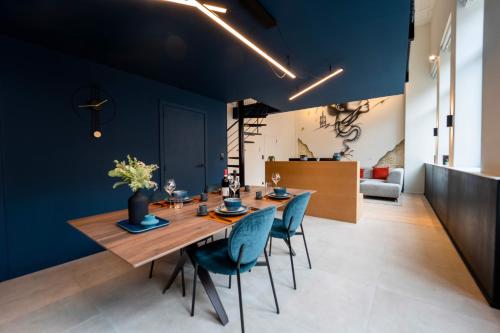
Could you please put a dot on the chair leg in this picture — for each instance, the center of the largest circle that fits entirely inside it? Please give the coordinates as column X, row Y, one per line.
column 305, row 244
column 270, row 244
column 230, row 279
column 183, row 282
column 293, row 251
column 272, row 282
column 194, row 288
column 291, row 261
column 151, row 269
column 241, row 302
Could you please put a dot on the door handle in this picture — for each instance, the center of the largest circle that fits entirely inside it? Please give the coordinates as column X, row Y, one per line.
column 201, row 165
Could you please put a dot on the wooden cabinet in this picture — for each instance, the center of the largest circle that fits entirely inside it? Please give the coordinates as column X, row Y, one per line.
column 336, row 183
column 467, row 205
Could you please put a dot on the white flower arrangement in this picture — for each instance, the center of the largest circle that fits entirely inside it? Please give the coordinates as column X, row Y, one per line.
column 135, row 174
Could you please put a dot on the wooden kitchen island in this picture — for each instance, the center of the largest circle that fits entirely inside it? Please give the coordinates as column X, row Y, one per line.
column 336, row 183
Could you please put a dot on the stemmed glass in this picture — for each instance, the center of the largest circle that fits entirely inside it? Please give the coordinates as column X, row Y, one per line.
column 276, row 178
column 170, row 188
column 234, row 185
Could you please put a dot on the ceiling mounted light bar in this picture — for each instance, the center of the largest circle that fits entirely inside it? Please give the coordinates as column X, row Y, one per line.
column 314, row 85
column 211, row 7
column 242, row 38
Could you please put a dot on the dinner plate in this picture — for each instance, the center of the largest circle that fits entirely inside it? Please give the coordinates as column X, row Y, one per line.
column 281, row 196
column 223, row 211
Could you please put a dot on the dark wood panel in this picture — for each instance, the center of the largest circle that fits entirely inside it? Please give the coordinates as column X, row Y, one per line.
column 429, row 189
column 440, row 196
column 472, row 202
column 467, row 205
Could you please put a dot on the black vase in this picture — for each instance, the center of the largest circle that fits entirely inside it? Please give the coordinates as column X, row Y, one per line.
column 137, row 208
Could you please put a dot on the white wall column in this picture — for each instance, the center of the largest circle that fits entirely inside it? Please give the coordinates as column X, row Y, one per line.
column 420, row 106
column 468, row 84
column 490, row 150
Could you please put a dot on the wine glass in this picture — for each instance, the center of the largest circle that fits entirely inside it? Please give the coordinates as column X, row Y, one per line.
column 170, row 188
column 234, row 185
column 276, row 178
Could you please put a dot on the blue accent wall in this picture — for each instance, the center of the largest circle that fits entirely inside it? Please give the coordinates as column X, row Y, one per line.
column 3, row 233
column 53, row 171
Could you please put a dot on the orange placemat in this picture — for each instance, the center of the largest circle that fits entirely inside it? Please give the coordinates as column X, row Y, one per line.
column 228, row 219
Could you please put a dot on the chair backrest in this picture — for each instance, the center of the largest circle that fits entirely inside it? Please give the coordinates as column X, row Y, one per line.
column 296, row 208
column 251, row 231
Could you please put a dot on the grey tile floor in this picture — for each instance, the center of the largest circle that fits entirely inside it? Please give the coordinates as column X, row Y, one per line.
column 394, row 271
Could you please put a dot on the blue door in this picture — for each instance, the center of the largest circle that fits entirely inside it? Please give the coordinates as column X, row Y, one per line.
column 183, row 147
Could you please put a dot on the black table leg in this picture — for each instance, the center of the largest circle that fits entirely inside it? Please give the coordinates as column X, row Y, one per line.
column 151, row 269
column 205, row 280
column 212, row 294
column 178, row 267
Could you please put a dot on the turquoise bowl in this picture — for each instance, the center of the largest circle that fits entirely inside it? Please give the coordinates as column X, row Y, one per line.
column 149, row 219
column 180, row 194
column 232, row 204
column 280, row 190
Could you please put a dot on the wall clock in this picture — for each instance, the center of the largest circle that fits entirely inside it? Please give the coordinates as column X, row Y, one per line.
column 94, row 105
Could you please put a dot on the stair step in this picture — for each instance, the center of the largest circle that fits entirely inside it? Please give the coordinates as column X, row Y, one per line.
column 249, row 141
column 251, row 133
column 255, row 116
column 256, row 110
column 233, row 166
column 255, row 125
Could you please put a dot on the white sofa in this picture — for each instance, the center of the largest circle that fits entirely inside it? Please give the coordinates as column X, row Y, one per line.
column 385, row 188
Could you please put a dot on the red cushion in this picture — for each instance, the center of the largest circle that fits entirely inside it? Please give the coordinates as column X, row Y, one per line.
column 380, row 173
column 361, row 173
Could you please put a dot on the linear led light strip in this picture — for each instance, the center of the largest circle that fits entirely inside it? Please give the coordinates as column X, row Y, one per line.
column 204, row 9
column 314, row 85
column 211, row 7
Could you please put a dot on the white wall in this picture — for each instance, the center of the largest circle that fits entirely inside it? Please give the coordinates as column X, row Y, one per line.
column 382, row 129
column 420, row 105
column 468, row 84
column 277, row 139
column 444, row 103
column 490, row 155
column 440, row 14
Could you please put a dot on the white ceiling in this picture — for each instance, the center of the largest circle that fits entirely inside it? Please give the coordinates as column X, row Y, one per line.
column 423, row 11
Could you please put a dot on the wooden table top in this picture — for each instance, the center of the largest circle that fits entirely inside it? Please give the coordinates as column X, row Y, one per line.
column 185, row 228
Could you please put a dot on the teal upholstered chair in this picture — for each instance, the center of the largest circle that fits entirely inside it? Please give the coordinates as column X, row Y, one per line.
column 238, row 253
column 286, row 227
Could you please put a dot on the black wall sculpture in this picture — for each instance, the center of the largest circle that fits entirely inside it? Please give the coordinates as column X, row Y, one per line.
column 345, row 125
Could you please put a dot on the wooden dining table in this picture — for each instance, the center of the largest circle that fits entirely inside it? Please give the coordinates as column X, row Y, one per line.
column 185, row 230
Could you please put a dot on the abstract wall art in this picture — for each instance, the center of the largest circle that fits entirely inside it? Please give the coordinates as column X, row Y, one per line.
column 345, row 122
